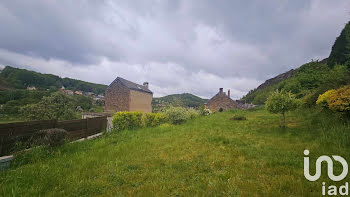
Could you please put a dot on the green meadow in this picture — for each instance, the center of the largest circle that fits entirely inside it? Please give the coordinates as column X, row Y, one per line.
column 208, row 156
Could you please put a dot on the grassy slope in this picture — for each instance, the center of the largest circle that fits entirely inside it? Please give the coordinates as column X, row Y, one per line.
column 207, row 156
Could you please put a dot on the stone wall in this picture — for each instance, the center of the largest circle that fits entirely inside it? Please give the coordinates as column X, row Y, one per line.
column 140, row 101
column 221, row 100
column 117, row 97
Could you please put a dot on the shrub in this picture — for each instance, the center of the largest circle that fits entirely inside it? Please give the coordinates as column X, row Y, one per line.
column 127, row 120
column 322, row 99
column 176, row 115
column 221, row 110
column 192, row 113
column 281, row 102
column 311, row 98
column 238, row 117
column 160, row 118
column 153, row 119
column 57, row 106
column 340, row 100
column 203, row 111
column 148, row 119
column 50, row 137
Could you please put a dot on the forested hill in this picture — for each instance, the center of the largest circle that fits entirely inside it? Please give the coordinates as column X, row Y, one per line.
column 183, row 100
column 313, row 78
column 17, row 78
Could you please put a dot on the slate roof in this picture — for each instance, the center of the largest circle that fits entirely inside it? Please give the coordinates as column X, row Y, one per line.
column 132, row 85
column 219, row 95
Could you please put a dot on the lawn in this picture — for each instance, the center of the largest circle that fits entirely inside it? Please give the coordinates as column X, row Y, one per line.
column 208, row 156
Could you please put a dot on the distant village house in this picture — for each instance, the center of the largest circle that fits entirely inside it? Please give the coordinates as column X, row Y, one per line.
column 124, row 95
column 64, row 90
column 31, row 88
column 221, row 101
column 77, row 92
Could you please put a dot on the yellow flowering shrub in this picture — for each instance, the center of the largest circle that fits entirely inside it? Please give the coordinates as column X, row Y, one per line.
column 322, row 99
column 340, row 100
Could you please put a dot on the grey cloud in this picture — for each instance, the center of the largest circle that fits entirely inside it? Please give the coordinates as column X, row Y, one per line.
column 176, row 45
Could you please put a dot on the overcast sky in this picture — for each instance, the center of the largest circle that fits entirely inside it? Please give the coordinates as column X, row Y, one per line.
column 177, row 46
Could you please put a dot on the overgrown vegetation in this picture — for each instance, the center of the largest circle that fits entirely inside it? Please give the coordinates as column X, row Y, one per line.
column 154, row 119
column 309, row 81
column 132, row 120
column 57, row 106
column 12, row 100
column 40, row 105
column 50, row 137
column 204, row 156
column 178, row 115
column 314, row 78
column 127, row 120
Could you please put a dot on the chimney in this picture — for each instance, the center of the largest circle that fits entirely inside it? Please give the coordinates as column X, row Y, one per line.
column 228, row 93
column 221, row 90
column 145, row 84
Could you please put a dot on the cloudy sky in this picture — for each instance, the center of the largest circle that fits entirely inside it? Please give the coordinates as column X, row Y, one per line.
column 191, row 46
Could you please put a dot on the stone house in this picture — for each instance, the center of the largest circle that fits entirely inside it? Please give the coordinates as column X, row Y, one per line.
column 31, row 88
column 77, row 92
column 221, row 101
column 124, row 95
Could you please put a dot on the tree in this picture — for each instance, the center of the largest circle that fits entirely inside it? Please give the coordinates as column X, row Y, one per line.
column 57, row 106
column 281, row 102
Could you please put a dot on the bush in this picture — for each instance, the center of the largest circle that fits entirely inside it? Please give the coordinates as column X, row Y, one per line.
column 238, row 117
column 221, row 110
column 154, row 119
column 310, row 99
column 192, row 113
column 127, row 120
column 322, row 99
column 203, row 111
column 176, row 115
column 340, row 100
column 50, row 137
column 57, row 106
column 160, row 118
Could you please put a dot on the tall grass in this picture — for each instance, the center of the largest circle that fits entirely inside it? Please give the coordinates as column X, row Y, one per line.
column 206, row 156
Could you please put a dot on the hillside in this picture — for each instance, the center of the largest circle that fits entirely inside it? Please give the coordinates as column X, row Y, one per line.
column 183, row 100
column 21, row 78
column 313, row 78
column 340, row 53
column 4, row 85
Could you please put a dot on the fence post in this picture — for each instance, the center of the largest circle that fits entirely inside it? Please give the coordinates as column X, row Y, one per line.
column 86, row 127
column 54, row 123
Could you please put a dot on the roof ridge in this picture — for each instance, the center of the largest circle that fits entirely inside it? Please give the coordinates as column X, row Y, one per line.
column 132, row 85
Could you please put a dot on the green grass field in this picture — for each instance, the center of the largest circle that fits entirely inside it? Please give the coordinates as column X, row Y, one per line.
column 208, row 156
